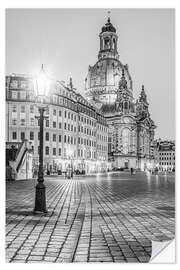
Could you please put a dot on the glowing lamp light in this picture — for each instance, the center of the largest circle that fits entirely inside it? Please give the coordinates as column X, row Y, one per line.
column 41, row 84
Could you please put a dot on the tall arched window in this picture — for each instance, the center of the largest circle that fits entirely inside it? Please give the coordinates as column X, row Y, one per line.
column 106, row 43
column 125, row 140
column 126, row 106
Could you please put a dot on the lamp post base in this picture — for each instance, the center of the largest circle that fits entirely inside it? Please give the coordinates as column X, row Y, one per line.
column 40, row 199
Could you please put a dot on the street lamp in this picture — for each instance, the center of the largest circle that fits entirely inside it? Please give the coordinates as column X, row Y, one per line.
column 41, row 86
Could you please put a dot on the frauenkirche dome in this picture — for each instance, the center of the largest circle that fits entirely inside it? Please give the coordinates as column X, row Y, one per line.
column 102, row 81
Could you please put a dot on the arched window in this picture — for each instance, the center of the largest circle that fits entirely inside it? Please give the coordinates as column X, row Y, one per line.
column 126, row 106
column 106, row 43
column 125, row 140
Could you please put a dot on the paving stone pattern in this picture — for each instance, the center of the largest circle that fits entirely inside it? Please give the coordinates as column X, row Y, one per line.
column 107, row 218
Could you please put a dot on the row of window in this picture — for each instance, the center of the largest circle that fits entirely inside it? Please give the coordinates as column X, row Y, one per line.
column 47, row 151
column 102, row 128
column 66, row 127
column 86, row 121
column 54, row 125
column 86, row 131
column 166, row 153
column 102, row 137
column 66, row 114
column 87, row 142
column 28, row 84
column 167, row 158
column 101, row 147
column 18, row 95
column 166, row 163
column 67, row 139
column 81, row 153
column 87, row 155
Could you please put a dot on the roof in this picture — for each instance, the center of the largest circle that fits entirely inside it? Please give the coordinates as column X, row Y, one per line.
column 108, row 27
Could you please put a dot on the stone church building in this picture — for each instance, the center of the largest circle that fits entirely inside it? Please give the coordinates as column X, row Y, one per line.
column 109, row 87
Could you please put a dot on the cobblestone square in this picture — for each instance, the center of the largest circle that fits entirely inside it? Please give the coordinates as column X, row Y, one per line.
column 102, row 218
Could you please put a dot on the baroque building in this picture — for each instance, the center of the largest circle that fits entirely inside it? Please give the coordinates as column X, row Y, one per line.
column 75, row 133
column 109, row 87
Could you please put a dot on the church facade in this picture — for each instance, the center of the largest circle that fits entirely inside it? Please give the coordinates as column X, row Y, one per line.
column 109, row 87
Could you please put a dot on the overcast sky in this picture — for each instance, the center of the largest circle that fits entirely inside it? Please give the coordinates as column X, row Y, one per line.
column 66, row 41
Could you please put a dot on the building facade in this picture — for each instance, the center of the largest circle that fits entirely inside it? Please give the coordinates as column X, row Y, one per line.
column 75, row 133
column 109, row 87
column 164, row 152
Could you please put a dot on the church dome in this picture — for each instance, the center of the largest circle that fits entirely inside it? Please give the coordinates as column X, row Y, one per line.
column 108, row 27
column 102, row 81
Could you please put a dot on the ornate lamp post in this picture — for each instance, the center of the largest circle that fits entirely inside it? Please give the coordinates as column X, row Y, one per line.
column 41, row 84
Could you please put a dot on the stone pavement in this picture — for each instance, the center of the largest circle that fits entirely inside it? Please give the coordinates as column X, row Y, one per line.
column 109, row 218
